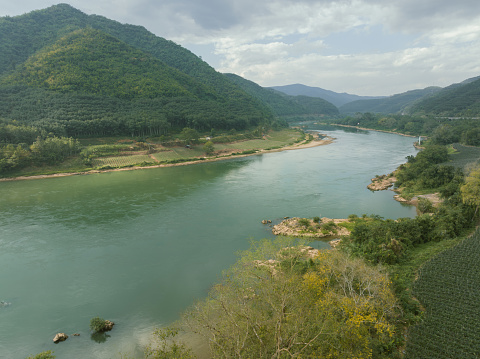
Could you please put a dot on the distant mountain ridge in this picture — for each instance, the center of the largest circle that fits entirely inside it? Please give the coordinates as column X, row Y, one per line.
column 399, row 103
column 456, row 100
column 283, row 104
column 338, row 99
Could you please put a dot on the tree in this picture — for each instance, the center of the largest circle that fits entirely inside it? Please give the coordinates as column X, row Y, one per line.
column 165, row 346
column 98, row 324
column 209, row 148
column 279, row 301
column 471, row 189
column 189, row 135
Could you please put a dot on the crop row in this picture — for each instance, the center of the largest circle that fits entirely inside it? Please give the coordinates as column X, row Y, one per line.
column 121, row 161
column 449, row 289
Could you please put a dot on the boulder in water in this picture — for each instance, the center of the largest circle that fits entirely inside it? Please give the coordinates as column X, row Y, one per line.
column 60, row 337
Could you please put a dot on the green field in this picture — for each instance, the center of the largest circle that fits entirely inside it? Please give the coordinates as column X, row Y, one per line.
column 121, row 161
column 448, row 288
column 464, row 156
column 275, row 139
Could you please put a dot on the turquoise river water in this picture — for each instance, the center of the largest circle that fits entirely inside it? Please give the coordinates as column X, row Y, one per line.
column 138, row 247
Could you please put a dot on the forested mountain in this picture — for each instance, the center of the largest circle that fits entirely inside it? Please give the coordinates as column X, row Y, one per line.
column 393, row 104
column 457, row 100
column 282, row 104
column 75, row 74
column 93, row 62
column 338, row 99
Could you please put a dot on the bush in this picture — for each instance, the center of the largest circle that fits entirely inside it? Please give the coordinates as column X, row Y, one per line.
column 304, row 222
column 97, row 324
column 425, row 206
column 316, row 219
column 43, row 355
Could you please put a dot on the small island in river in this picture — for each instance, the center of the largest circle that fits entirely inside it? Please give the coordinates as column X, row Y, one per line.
column 314, row 228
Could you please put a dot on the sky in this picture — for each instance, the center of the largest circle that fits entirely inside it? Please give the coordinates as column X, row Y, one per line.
column 362, row 47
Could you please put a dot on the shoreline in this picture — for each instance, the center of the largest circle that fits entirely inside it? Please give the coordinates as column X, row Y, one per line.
column 372, row 129
column 297, row 146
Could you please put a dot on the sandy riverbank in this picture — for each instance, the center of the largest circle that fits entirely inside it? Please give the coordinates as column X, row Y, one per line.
column 296, row 146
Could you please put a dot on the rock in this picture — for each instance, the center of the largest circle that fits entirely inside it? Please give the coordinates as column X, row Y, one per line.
column 334, row 243
column 108, row 325
column 381, row 183
column 76, row 334
column 265, row 221
column 60, row 337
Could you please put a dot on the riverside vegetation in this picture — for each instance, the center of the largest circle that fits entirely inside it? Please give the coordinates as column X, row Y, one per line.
column 59, row 155
column 361, row 299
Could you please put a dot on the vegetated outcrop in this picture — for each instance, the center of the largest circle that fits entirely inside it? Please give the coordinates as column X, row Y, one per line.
column 381, row 183
column 315, row 228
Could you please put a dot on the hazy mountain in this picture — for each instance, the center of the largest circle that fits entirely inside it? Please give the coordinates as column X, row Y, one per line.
column 282, row 104
column 393, row 104
column 338, row 99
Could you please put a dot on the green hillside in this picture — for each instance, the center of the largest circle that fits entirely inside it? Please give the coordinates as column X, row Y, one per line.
column 282, row 104
column 22, row 36
column 454, row 101
column 392, row 104
column 90, row 61
column 74, row 74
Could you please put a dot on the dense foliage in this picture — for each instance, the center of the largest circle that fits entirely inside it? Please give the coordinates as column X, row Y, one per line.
column 277, row 303
column 388, row 241
column 440, row 130
column 50, row 150
column 77, row 75
column 93, row 62
column 448, row 287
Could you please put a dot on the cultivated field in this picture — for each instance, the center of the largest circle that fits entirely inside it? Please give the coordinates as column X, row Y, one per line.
column 449, row 289
column 465, row 156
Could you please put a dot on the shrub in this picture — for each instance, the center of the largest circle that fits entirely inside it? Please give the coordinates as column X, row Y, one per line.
column 43, row 355
column 316, row 219
column 425, row 206
column 97, row 324
column 304, row 222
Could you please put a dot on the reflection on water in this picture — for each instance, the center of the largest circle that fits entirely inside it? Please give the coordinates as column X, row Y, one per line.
column 138, row 247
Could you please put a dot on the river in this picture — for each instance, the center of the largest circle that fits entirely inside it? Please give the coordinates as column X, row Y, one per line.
column 138, row 247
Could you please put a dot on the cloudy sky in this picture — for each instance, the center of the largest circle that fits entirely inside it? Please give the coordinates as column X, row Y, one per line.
column 363, row 47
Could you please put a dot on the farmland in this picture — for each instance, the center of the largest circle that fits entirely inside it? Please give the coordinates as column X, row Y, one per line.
column 464, row 156
column 121, row 161
column 448, row 288
column 161, row 154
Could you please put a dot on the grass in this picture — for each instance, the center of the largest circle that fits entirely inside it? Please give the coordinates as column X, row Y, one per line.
column 464, row 156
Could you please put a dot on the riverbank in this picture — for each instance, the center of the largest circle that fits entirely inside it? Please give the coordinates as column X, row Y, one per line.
column 373, row 129
column 307, row 143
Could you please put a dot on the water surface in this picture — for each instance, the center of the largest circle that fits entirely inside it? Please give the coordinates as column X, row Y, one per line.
column 138, row 247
